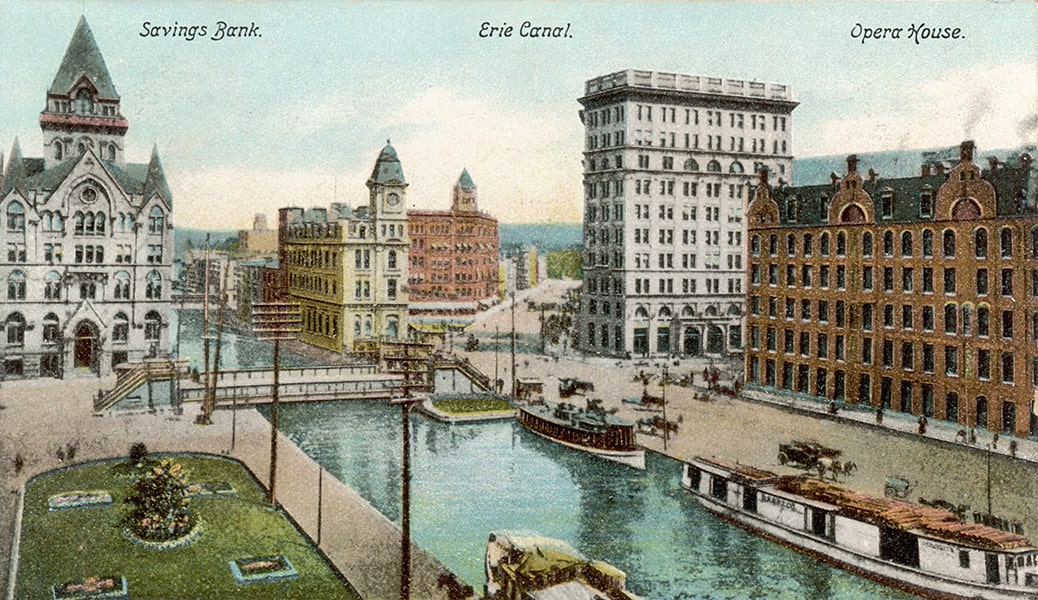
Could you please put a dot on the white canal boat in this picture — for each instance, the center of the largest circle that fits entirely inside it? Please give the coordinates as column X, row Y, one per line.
column 923, row 550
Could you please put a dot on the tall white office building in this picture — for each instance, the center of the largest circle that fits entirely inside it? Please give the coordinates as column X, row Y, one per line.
column 670, row 162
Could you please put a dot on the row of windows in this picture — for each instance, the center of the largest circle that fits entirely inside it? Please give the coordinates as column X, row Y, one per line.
column 84, row 223
column 906, row 247
column 712, row 118
column 53, row 286
column 949, row 279
column 15, row 327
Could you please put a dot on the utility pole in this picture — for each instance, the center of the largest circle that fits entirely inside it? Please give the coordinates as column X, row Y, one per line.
column 205, row 322
column 275, row 321
column 496, row 332
column 515, row 378
column 210, row 397
column 405, row 403
column 666, row 425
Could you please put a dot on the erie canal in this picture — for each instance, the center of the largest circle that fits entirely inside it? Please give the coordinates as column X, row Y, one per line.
column 471, row 479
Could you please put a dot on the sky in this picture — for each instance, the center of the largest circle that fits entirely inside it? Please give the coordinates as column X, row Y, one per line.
column 297, row 115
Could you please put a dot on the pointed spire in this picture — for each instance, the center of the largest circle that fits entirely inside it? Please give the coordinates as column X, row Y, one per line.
column 83, row 58
column 465, row 181
column 14, row 175
column 155, row 181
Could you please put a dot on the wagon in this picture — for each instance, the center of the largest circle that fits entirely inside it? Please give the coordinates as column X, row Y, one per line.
column 898, row 487
column 804, row 455
column 568, row 387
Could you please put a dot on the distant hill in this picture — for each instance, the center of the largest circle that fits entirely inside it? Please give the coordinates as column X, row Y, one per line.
column 890, row 164
column 545, row 236
column 217, row 238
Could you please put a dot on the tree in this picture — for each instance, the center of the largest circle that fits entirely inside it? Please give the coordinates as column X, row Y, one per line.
column 160, row 504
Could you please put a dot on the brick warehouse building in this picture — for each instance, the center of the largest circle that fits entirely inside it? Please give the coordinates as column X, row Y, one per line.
column 88, row 236
column 917, row 295
column 453, row 263
column 669, row 163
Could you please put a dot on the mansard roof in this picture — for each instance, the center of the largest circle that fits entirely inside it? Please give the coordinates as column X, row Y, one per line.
column 1013, row 186
column 83, row 58
column 387, row 167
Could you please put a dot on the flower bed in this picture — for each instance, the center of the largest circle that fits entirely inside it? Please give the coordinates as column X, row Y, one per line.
column 91, row 587
column 79, row 499
column 179, row 542
column 218, row 489
column 262, row 570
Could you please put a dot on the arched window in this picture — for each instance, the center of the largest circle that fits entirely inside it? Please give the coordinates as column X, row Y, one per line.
column 773, row 245
column 791, row 244
column 755, row 245
column 58, row 150
column 950, row 318
column 888, row 243
column 736, row 167
column 866, row 244
column 111, row 151
column 120, row 328
column 823, row 244
column 852, row 214
column 15, row 327
column 713, row 166
column 664, row 313
column 15, row 216
column 691, row 165
column 99, row 223
column 1006, row 237
column 841, row 244
column 906, row 243
column 356, row 326
column 927, row 243
column 154, row 286
column 948, row 244
column 16, row 286
column 156, row 220
column 122, row 285
column 966, row 210
column 367, row 326
column 52, row 286
column 392, row 259
column 980, row 243
column 78, row 222
column 641, row 313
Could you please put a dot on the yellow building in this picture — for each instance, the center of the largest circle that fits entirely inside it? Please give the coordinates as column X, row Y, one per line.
column 346, row 267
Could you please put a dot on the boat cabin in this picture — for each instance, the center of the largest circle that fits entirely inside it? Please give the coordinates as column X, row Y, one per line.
column 932, row 540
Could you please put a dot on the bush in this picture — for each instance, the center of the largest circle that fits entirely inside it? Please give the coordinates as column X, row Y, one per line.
column 160, row 500
column 138, row 454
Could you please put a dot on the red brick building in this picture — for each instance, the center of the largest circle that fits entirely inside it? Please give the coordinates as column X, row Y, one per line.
column 915, row 294
column 452, row 270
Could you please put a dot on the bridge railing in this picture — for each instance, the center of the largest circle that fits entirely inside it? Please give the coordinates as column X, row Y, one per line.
column 368, row 388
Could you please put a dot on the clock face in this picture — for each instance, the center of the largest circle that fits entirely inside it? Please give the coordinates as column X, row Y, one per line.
column 393, row 200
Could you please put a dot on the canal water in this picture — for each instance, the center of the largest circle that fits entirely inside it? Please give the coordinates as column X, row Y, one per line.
column 471, row 479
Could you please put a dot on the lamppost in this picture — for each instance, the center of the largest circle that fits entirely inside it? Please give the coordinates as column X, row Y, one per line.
column 275, row 321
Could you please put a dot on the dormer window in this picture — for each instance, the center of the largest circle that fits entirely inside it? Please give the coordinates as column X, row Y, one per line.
column 84, row 103
column 887, row 204
column 926, row 203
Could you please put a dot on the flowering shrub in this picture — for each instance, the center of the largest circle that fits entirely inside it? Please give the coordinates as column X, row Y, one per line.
column 160, row 504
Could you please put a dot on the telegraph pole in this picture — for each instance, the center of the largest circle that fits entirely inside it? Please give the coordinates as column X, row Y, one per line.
column 515, row 378
column 666, row 425
column 275, row 321
column 405, row 403
column 496, row 334
column 210, row 397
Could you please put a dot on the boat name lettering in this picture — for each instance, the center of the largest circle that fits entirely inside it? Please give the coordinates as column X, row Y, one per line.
column 779, row 502
column 936, row 547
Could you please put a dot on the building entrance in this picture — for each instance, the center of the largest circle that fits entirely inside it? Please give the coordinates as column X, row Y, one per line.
column 85, row 349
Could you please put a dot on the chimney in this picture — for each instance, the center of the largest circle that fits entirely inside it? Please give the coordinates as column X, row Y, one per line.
column 872, row 175
column 1025, row 161
column 852, row 164
column 834, row 178
column 966, row 151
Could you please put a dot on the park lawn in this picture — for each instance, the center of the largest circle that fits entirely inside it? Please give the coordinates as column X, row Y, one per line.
column 467, row 406
column 73, row 544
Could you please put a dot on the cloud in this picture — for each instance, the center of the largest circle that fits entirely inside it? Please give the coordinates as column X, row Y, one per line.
column 524, row 161
column 994, row 105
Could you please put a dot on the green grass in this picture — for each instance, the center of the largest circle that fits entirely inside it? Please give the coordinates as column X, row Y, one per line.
column 74, row 544
column 466, row 406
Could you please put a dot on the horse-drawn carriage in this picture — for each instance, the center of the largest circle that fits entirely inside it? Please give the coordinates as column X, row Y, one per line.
column 569, row 386
column 812, row 456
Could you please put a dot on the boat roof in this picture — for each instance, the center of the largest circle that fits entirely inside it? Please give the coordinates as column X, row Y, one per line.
column 571, row 590
column 932, row 522
column 738, row 471
column 546, row 410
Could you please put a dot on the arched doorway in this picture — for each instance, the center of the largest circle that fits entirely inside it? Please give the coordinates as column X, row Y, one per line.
column 85, row 347
column 714, row 340
column 693, row 342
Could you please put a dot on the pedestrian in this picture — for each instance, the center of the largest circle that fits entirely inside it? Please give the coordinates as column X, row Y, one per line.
column 832, row 407
column 1012, row 448
column 879, row 415
column 61, row 454
column 19, row 463
column 922, row 425
column 994, row 441
column 973, row 436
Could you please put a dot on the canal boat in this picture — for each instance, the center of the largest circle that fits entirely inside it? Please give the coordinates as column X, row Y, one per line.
column 590, row 429
column 534, row 567
column 922, row 550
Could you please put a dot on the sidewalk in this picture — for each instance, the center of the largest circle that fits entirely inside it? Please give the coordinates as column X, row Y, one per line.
column 894, row 421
